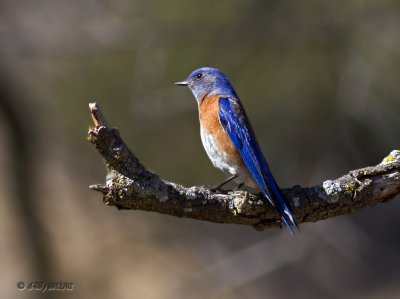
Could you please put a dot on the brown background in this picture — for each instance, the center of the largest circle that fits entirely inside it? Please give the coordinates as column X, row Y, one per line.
column 320, row 81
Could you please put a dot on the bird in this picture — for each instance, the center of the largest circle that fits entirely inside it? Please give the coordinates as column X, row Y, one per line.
column 229, row 140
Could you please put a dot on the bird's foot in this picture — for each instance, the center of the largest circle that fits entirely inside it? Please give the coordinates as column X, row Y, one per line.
column 216, row 189
column 238, row 187
column 219, row 189
column 212, row 188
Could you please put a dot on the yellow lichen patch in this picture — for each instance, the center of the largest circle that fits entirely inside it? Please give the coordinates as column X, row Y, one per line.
column 237, row 204
column 388, row 159
column 393, row 156
column 350, row 187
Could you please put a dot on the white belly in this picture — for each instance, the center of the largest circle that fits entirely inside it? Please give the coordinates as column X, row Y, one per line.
column 216, row 155
column 220, row 160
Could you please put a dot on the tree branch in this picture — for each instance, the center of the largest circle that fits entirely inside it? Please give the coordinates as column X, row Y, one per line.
column 129, row 185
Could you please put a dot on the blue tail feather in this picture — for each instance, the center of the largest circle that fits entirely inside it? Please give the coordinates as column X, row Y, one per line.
column 283, row 210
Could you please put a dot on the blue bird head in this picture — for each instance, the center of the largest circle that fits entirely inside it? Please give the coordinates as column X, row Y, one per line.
column 208, row 81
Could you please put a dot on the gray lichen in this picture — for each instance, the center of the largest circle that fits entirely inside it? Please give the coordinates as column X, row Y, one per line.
column 332, row 190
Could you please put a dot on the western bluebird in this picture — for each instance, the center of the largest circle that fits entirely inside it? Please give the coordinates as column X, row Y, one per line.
column 229, row 140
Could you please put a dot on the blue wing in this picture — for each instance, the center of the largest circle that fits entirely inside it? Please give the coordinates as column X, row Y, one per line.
column 234, row 121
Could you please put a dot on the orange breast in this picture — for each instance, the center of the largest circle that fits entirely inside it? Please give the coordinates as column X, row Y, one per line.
column 209, row 120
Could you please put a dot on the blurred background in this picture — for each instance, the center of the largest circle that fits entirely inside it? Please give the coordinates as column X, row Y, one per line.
column 320, row 81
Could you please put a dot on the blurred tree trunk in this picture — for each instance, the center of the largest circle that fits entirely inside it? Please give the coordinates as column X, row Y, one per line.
column 21, row 143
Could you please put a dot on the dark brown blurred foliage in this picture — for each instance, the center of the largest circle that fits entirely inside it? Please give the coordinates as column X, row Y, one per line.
column 319, row 79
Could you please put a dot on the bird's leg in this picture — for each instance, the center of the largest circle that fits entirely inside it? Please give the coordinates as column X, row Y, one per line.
column 224, row 182
column 239, row 186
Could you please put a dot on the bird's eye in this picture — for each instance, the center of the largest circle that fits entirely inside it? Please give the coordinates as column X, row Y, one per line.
column 199, row 76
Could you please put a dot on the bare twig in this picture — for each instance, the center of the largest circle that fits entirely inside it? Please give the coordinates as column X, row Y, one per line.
column 97, row 116
column 130, row 185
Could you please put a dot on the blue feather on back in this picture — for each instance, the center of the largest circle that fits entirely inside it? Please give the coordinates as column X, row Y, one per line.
column 234, row 121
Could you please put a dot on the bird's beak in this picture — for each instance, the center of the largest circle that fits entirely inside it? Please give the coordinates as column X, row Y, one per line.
column 182, row 83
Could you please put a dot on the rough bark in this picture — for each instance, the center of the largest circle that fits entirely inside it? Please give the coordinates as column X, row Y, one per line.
column 129, row 185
